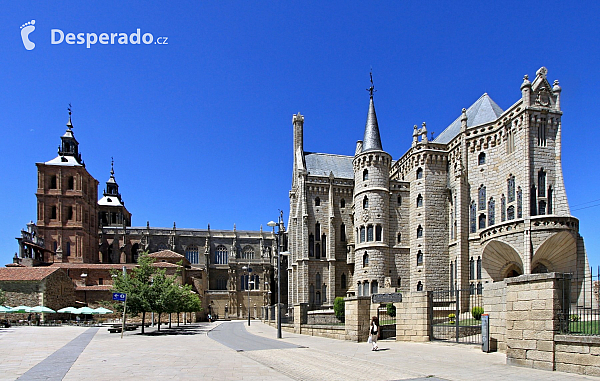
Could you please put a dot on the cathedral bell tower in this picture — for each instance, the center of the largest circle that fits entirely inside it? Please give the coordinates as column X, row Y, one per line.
column 371, row 166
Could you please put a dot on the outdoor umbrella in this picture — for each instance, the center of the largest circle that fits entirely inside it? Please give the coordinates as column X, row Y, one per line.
column 20, row 309
column 67, row 310
column 5, row 309
column 42, row 309
column 85, row 311
column 102, row 311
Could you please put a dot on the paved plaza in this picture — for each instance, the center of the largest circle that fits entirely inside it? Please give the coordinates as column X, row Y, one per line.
column 234, row 351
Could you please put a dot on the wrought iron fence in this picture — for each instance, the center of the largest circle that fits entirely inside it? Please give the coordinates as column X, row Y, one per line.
column 387, row 321
column 456, row 315
column 580, row 312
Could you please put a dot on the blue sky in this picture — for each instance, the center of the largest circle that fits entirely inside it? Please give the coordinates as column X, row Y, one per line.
column 201, row 128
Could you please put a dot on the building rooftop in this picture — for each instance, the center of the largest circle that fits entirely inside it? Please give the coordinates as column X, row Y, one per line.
column 166, row 254
column 68, row 161
column 26, row 273
column 322, row 164
column 109, row 201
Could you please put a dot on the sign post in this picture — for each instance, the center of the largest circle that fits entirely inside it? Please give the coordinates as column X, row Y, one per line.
column 121, row 297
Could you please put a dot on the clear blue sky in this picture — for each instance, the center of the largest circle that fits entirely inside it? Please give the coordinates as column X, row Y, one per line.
column 201, row 128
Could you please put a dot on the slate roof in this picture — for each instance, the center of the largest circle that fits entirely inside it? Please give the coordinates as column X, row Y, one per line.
column 483, row 111
column 371, row 140
column 109, row 201
column 26, row 273
column 321, row 164
column 66, row 160
column 166, row 254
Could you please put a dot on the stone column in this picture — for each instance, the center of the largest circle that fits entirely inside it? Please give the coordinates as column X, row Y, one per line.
column 300, row 316
column 413, row 317
column 357, row 314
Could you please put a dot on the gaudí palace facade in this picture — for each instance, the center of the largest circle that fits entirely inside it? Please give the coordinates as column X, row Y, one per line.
column 483, row 201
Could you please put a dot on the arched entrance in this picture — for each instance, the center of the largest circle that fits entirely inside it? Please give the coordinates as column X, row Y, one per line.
column 500, row 260
column 557, row 254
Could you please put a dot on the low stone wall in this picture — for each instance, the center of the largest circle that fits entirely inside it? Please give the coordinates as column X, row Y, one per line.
column 494, row 304
column 330, row 331
column 413, row 317
column 577, row 354
column 326, row 317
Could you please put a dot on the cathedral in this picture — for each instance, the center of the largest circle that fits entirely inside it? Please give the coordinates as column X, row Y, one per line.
column 483, row 201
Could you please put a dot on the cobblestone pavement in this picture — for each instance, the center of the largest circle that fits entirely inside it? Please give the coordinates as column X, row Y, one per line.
column 189, row 353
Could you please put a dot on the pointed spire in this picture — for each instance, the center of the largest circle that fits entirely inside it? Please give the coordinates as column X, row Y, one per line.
column 371, row 140
column 112, row 167
column 69, row 124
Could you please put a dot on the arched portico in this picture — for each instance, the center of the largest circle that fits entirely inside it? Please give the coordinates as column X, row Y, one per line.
column 501, row 260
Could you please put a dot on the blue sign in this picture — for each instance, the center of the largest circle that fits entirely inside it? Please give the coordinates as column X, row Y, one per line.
column 118, row 296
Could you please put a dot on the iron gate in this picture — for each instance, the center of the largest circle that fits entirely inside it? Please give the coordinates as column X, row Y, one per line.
column 387, row 322
column 456, row 315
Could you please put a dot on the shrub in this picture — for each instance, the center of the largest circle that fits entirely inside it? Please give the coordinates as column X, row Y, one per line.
column 477, row 312
column 338, row 307
column 574, row 318
column 391, row 309
column 451, row 317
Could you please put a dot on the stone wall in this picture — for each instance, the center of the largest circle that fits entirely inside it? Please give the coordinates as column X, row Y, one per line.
column 494, row 304
column 413, row 317
column 577, row 354
column 357, row 312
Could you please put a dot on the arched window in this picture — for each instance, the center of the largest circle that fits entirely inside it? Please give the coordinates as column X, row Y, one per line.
column 520, row 202
column 324, row 245
column 324, row 289
column 311, row 245
column 510, row 212
column 419, row 286
column 419, row 173
column 68, row 249
column 399, row 200
column 399, row 237
column 482, row 221
column 542, row 207
column 191, row 254
column 370, row 233
column 362, row 234
column 479, row 288
column 471, row 269
column 533, row 201
column 482, row 197
column 491, row 212
column 510, row 184
column 473, row 217
column 365, row 259
column 318, row 279
column 248, row 253
column 478, row 267
column 311, row 292
column 318, row 298
column 365, row 174
column 541, row 183
column 365, row 202
column 399, row 282
column 472, row 289
column 481, row 158
column 221, row 255
column 359, row 289
column 318, row 230
column 549, row 201
column 317, row 251
column 343, row 232
column 378, row 231
column 342, row 203
column 243, row 282
column 419, row 201
column 374, row 287
column 343, row 281
column 503, row 208
column 419, row 231
column 420, row 258
column 366, row 288
column 317, row 201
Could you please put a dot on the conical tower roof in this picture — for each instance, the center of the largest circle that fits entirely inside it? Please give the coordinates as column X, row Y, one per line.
column 371, row 140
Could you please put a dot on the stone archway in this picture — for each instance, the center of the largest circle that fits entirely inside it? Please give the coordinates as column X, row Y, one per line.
column 500, row 260
column 557, row 254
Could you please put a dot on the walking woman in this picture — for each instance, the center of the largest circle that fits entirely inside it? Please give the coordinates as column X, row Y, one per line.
column 374, row 332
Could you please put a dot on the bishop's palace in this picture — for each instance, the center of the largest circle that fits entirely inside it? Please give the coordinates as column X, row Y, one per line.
column 482, row 202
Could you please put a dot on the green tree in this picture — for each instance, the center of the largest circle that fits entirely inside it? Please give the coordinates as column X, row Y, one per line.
column 161, row 293
column 339, row 308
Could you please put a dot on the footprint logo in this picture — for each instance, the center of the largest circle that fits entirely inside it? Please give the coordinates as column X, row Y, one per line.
column 26, row 29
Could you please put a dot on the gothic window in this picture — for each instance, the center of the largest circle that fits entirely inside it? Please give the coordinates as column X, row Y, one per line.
column 365, row 174
column 343, row 233
column 359, row 289
column 318, row 279
column 342, row 203
column 473, row 218
column 365, row 202
column 478, row 267
column 451, row 276
column 69, row 213
column 243, row 282
column 472, row 289
column 510, row 142
column 541, row 183
column 366, row 288
column 318, row 230
column 491, row 212
column 53, row 212
column 533, row 201
column 343, row 281
column 365, row 259
column 399, row 237
column 311, row 294
column 419, row 286
column 248, row 253
column 549, row 200
column 70, row 183
column 510, row 213
column 191, row 253
column 324, row 244
column 399, row 200
column 162, row 246
column 482, row 197
column 362, row 234
column 510, row 183
column 419, row 201
column 481, row 159
column 317, row 201
column 542, row 132
column 420, row 258
column 471, row 269
column 55, row 246
column 53, row 182
column 318, row 298
column 221, row 284
column 419, row 231
column 542, row 208
column 221, row 255
column 317, row 251
column 68, row 249
column 399, row 284
column 503, row 208
column 378, row 231
column 311, row 245
column 519, row 202
column 324, row 293
column 374, row 287
column 482, row 221
column 369, row 233
column 419, row 173
column 479, row 288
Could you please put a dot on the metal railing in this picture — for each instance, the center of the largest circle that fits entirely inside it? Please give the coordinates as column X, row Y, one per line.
column 580, row 312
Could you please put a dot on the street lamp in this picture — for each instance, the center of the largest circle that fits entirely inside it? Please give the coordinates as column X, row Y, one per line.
column 279, row 240
column 250, row 282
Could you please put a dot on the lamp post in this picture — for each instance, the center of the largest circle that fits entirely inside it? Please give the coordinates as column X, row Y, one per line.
column 250, row 282
column 280, row 231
